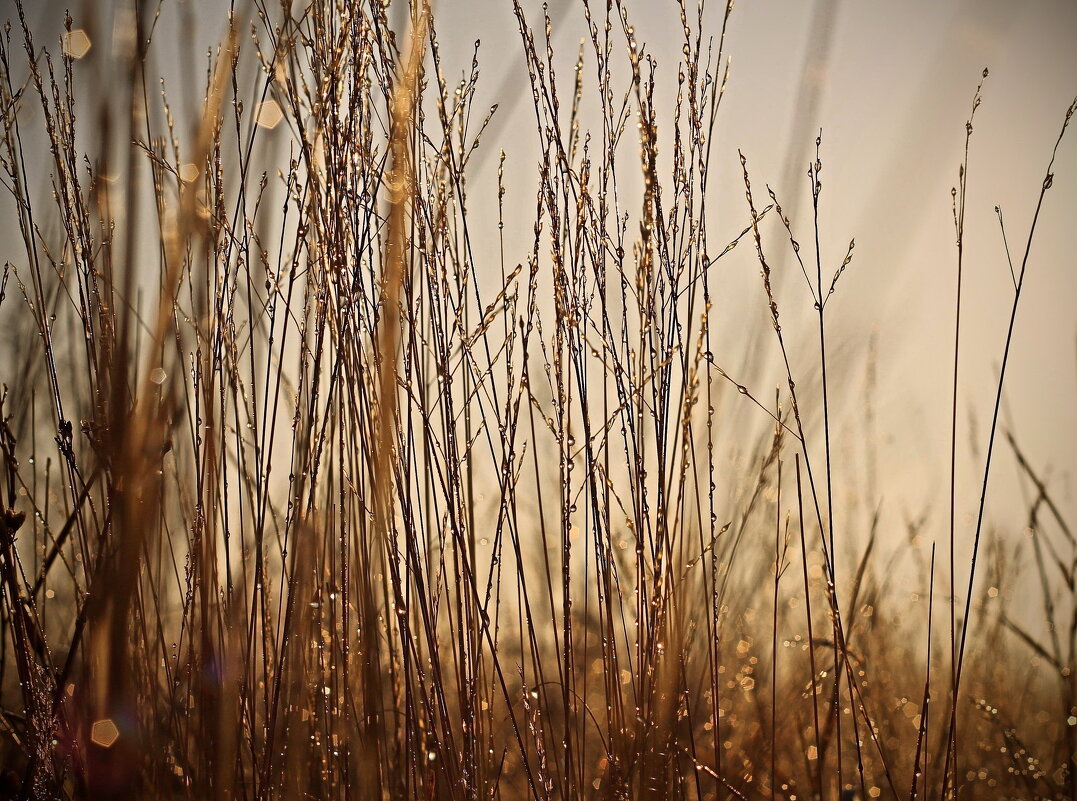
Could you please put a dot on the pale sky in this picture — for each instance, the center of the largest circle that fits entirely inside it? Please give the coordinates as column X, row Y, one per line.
column 896, row 87
column 894, row 83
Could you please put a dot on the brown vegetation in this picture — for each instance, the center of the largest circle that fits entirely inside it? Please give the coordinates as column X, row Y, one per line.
column 306, row 496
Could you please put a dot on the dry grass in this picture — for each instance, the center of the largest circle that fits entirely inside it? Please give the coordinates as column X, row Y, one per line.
column 306, row 495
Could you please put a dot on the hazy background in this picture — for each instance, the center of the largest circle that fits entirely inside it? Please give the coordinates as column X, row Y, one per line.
column 891, row 85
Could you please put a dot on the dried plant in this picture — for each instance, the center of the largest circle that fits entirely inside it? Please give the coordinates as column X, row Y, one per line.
column 310, row 491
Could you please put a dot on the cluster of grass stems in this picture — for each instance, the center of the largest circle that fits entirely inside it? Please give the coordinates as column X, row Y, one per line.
column 317, row 485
